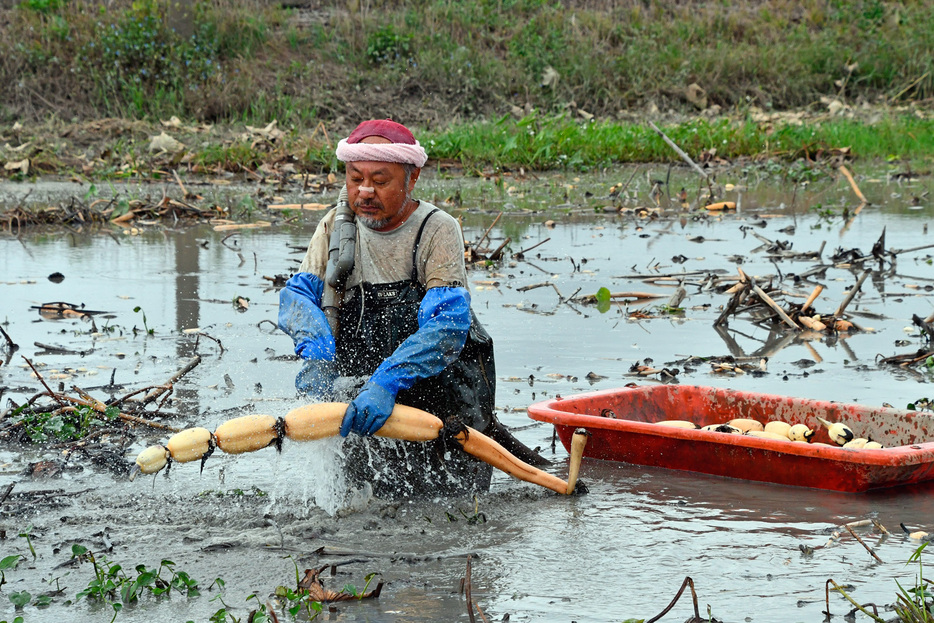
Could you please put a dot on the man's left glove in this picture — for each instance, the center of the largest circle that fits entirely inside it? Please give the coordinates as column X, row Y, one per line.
column 443, row 322
column 368, row 411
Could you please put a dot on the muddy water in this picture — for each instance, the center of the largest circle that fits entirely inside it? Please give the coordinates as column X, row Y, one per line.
column 621, row 551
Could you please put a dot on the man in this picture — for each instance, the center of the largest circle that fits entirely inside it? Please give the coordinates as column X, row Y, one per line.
column 406, row 330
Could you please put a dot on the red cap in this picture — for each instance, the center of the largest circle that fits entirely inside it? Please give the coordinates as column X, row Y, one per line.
column 388, row 129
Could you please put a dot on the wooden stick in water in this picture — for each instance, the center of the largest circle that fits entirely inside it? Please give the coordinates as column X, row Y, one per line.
column 868, row 549
column 679, row 151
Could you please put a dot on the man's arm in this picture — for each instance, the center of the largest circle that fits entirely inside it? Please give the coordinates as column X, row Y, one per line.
column 443, row 323
column 301, row 317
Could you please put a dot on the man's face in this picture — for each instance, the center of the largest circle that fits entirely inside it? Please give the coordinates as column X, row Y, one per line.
column 378, row 193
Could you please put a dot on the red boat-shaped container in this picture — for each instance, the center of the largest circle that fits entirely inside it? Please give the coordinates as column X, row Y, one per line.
column 622, row 424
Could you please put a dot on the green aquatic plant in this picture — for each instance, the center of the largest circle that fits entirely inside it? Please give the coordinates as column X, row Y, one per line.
column 670, row 310
column 603, row 296
column 350, row 589
column 253, row 491
column 40, row 427
column 297, row 599
column 262, row 614
column 916, row 605
column 113, row 585
column 7, row 564
column 20, row 599
column 26, row 535
column 138, row 310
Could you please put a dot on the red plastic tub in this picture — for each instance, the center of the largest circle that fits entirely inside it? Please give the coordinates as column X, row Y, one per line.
column 621, row 423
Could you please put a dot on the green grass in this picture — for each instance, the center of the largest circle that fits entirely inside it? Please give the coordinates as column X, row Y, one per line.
column 563, row 143
column 535, row 142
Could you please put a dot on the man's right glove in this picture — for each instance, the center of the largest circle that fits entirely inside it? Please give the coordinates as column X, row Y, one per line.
column 301, row 317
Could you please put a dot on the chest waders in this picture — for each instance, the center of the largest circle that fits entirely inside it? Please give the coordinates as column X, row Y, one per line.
column 374, row 321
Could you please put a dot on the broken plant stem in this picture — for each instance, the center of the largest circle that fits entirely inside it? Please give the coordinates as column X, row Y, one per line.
column 839, row 589
column 524, row 251
column 200, row 335
column 861, row 542
column 680, row 151
column 849, row 177
column 488, row 230
column 775, row 307
column 9, row 341
column 178, row 180
column 168, row 385
column 687, row 582
column 851, row 294
column 495, row 255
column 813, row 297
column 534, row 286
column 545, row 284
column 467, row 592
column 733, row 304
column 95, row 404
column 921, row 248
column 55, row 396
column 6, row 492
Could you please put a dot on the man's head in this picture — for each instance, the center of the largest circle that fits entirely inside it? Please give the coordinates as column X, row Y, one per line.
column 383, row 162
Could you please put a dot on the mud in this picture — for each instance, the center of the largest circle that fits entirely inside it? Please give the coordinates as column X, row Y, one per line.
column 620, row 551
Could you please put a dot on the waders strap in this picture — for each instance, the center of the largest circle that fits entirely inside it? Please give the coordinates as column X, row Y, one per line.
column 418, row 238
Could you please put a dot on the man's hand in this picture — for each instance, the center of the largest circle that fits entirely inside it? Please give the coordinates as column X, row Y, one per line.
column 369, row 410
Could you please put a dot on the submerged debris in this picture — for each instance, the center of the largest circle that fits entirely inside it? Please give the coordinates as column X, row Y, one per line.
column 923, row 355
column 311, row 585
column 750, row 298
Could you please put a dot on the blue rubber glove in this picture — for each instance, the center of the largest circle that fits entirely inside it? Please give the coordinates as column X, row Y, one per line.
column 316, row 379
column 443, row 323
column 369, row 411
column 301, row 317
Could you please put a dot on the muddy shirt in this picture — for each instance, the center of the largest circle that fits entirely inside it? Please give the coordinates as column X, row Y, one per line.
column 386, row 257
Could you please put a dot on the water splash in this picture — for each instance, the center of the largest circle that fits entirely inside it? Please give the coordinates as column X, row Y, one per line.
column 310, row 475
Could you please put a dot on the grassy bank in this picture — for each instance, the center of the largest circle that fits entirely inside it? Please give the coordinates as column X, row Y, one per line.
column 488, row 84
column 120, row 149
column 558, row 142
column 433, row 62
